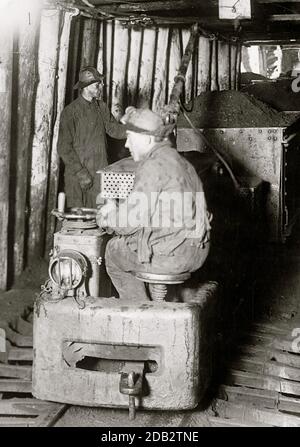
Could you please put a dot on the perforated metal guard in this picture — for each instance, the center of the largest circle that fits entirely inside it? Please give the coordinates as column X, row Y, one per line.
column 116, row 185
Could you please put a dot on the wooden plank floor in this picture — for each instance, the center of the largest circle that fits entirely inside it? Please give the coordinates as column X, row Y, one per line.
column 18, row 408
column 263, row 381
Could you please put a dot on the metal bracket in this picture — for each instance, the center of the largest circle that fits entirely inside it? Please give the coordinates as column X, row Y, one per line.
column 79, row 297
column 95, row 260
column 131, row 383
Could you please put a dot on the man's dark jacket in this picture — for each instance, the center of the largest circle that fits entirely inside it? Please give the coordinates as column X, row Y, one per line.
column 82, row 144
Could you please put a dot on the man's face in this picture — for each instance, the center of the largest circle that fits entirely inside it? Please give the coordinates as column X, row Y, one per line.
column 95, row 89
column 138, row 144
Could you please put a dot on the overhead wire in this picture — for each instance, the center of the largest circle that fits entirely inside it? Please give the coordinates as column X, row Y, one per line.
column 211, row 146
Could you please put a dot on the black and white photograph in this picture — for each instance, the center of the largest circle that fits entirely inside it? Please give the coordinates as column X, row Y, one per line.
column 149, row 218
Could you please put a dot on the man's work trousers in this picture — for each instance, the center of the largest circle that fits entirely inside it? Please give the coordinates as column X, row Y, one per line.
column 122, row 264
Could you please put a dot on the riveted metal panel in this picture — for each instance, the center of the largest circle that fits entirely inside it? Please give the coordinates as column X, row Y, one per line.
column 256, row 152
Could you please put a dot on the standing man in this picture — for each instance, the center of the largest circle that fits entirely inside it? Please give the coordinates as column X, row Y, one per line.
column 82, row 143
column 163, row 226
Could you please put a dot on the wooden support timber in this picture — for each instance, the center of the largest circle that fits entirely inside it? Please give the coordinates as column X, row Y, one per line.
column 26, row 87
column 180, row 78
column 136, row 41
column 224, row 65
column 73, row 60
column 238, row 66
column 108, row 42
column 174, row 68
column 203, row 65
column 233, row 60
column 214, row 84
column 61, row 80
column 89, row 48
column 119, row 70
column 160, row 75
column 41, row 147
column 189, row 78
column 101, row 50
column 6, row 67
column 146, row 69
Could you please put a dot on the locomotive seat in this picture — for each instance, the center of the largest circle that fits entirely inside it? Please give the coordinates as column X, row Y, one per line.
column 158, row 283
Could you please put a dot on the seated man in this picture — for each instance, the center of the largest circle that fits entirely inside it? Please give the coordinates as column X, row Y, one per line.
column 163, row 225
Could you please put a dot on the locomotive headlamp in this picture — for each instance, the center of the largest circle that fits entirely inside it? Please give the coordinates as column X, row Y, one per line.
column 68, row 269
column 75, row 261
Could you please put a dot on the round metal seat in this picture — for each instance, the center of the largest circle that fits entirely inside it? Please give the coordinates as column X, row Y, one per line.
column 158, row 283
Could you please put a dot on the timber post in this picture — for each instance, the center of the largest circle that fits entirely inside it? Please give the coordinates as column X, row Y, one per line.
column 6, row 69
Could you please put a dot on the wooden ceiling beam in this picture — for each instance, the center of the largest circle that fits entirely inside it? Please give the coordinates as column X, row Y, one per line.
column 273, row 36
column 147, row 6
column 265, row 39
column 262, row 26
column 204, row 3
column 284, row 18
column 211, row 25
column 182, row 20
column 276, row 1
column 271, row 41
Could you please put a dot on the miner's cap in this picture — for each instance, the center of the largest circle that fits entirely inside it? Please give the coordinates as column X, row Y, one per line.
column 88, row 76
column 146, row 122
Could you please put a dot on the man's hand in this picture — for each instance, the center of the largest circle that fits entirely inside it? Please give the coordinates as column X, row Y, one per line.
column 85, row 179
column 102, row 214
